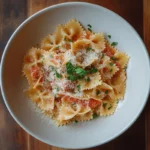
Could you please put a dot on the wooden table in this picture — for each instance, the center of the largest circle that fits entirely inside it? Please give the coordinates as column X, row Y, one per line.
column 13, row 12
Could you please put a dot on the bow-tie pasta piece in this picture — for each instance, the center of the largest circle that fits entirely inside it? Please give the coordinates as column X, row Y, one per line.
column 69, row 56
column 85, row 54
column 73, row 30
column 98, row 41
column 119, row 85
column 100, row 92
column 68, row 109
column 108, row 68
column 33, row 94
column 109, row 50
column 32, row 63
column 59, row 34
column 85, row 114
column 44, row 100
column 53, row 59
column 47, row 101
column 108, row 107
column 121, row 59
column 48, row 42
column 90, row 81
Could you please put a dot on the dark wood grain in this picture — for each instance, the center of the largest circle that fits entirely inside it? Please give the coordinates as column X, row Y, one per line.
column 12, row 13
column 146, row 32
column 12, row 137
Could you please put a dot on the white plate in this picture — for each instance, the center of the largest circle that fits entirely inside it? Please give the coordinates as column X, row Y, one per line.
column 94, row 132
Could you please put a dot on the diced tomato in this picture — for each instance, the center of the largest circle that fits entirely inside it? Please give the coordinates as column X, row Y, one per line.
column 118, row 65
column 58, row 51
column 109, row 51
column 105, row 70
column 58, row 99
column 34, row 68
column 35, row 72
column 42, row 78
column 88, row 34
column 67, row 46
column 84, row 102
column 74, row 38
column 28, row 59
column 100, row 62
column 69, row 86
column 57, row 57
column 94, row 103
column 75, row 100
column 71, row 99
column 49, row 88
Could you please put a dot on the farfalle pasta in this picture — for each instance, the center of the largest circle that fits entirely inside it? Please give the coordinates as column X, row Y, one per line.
column 76, row 75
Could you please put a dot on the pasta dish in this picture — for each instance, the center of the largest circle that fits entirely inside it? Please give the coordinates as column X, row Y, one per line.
column 76, row 74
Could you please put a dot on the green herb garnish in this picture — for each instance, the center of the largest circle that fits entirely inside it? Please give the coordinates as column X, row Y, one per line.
column 58, row 47
column 65, row 39
column 109, row 107
column 89, row 48
column 98, row 92
column 52, row 68
column 41, row 56
column 102, row 55
column 93, row 70
column 87, row 79
column 51, row 56
column 76, row 121
column 89, row 26
column 79, row 87
column 125, row 68
column 70, row 40
column 72, row 77
column 58, row 75
column 90, row 29
column 111, row 64
column 80, row 71
column 104, row 105
column 41, row 62
column 57, row 89
column 114, row 43
column 95, row 116
column 113, row 58
column 70, row 68
column 111, row 70
column 109, row 36
column 106, row 92
column 76, row 72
